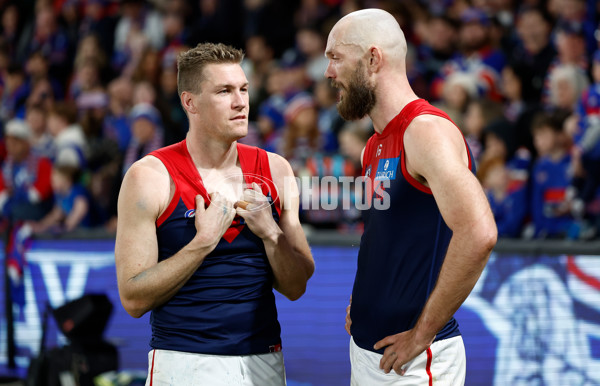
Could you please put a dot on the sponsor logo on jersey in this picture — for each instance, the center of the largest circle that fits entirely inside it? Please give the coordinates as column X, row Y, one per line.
column 386, row 169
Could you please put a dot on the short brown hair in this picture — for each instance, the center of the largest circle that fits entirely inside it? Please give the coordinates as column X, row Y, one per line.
column 191, row 63
column 65, row 110
column 549, row 119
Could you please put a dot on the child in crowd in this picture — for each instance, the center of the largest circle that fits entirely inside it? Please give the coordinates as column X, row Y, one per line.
column 147, row 133
column 66, row 131
column 508, row 200
column 25, row 191
column 551, row 177
column 479, row 114
column 41, row 141
column 71, row 201
column 586, row 141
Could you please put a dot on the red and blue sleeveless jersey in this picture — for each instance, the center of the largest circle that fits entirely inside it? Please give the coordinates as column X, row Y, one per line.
column 404, row 242
column 227, row 307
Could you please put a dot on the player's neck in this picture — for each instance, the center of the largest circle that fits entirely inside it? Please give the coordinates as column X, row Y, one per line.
column 390, row 101
column 211, row 154
column 391, row 98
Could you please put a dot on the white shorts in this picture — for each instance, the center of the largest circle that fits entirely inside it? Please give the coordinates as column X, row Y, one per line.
column 177, row 368
column 443, row 363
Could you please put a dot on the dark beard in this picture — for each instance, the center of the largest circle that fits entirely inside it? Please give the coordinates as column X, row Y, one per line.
column 359, row 97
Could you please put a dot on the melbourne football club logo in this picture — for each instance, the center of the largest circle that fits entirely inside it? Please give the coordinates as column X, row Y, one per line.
column 368, row 172
column 190, row 213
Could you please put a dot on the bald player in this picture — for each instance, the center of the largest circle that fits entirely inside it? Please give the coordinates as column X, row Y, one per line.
column 429, row 230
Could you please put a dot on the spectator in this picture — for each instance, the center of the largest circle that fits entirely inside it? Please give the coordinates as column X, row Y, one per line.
column 301, row 136
column 311, row 45
column 176, row 34
column 353, row 138
column 116, row 122
column 551, row 177
column 11, row 28
column 37, row 67
column 139, row 27
column 41, row 94
column 85, row 79
column 533, row 51
column 137, row 17
column 71, row 201
column 476, row 56
column 439, row 44
column 41, row 142
column 507, row 201
column 89, row 48
column 25, row 191
column 14, row 94
column 330, row 123
column 97, row 22
column 570, row 46
column 580, row 12
column 148, row 68
column 147, row 133
column 257, row 64
column 499, row 142
column 270, row 120
column 567, row 83
column 144, row 92
column 518, row 112
column 586, row 140
column 66, row 131
column 69, row 20
column 169, row 105
column 47, row 37
column 479, row 114
column 459, row 90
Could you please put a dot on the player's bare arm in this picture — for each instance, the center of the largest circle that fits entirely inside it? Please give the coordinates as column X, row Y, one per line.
column 145, row 193
column 285, row 243
column 436, row 155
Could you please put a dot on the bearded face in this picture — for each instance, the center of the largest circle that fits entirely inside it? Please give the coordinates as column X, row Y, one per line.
column 358, row 98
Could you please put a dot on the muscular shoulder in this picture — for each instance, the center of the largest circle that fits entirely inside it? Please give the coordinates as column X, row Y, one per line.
column 280, row 167
column 283, row 177
column 148, row 171
column 146, row 185
column 431, row 140
column 432, row 131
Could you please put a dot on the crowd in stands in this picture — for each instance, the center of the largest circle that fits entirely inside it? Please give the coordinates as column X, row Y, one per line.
column 87, row 87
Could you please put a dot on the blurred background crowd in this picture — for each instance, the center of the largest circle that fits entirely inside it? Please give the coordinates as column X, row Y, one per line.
column 87, row 87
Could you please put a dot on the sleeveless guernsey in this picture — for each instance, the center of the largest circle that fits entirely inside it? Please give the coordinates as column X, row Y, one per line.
column 403, row 247
column 227, row 307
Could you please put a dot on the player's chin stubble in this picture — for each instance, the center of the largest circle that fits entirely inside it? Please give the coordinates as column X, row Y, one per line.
column 359, row 98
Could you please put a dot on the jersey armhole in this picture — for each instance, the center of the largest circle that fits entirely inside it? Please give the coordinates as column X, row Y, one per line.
column 176, row 195
column 413, row 181
column 265, row 166
column 170, row 208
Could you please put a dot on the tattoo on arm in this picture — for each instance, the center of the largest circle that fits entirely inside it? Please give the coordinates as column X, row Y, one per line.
column 139, row 276
column 140, row 205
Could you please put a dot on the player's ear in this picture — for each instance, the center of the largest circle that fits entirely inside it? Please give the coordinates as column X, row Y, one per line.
column 187, row 101
column 374, row 59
